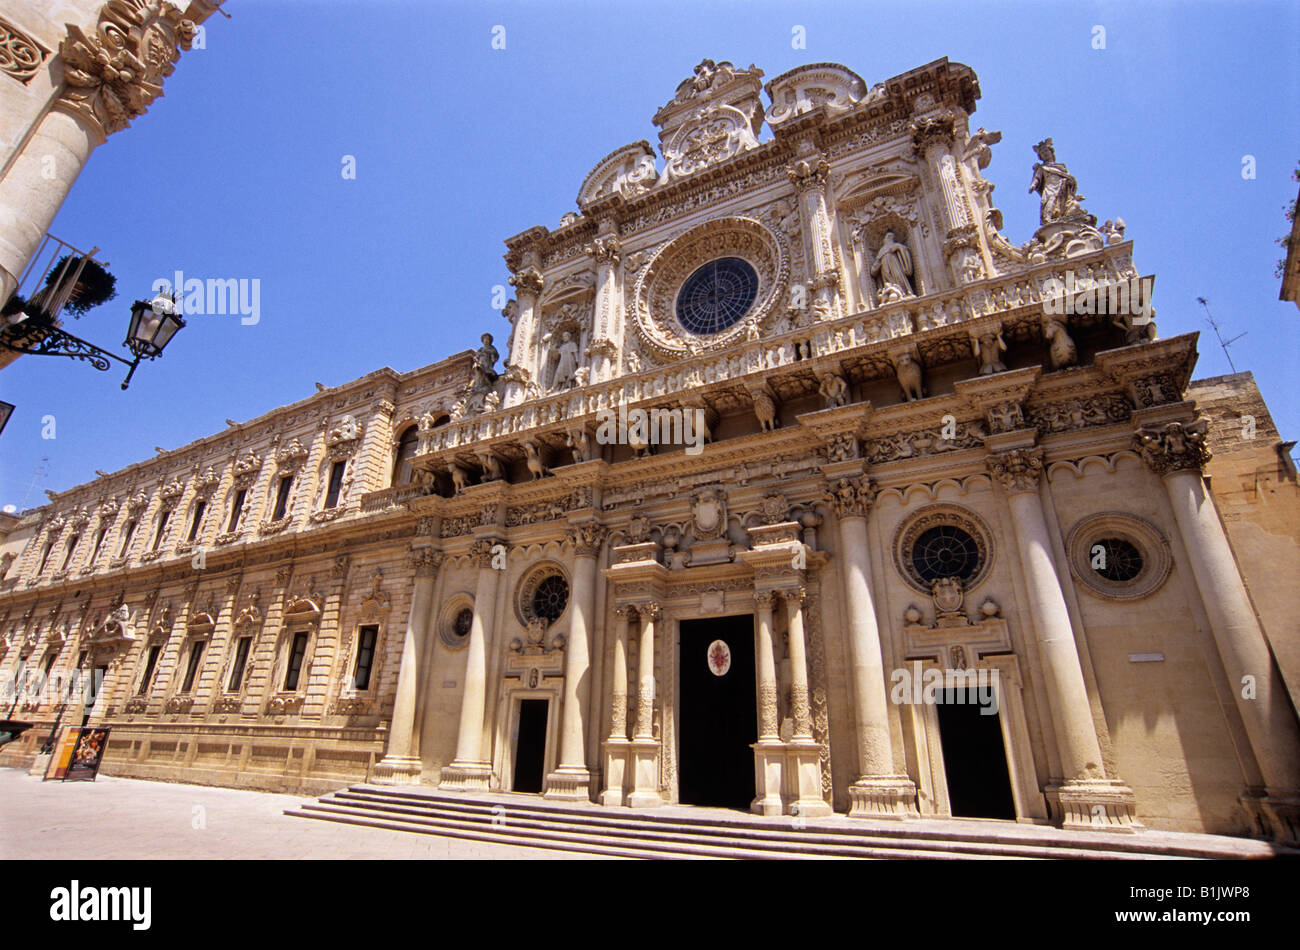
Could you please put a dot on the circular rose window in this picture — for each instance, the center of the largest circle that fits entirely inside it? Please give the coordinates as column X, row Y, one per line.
column 717, row 296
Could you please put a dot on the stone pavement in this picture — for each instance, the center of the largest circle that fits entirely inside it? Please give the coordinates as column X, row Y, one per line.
column 119, row 818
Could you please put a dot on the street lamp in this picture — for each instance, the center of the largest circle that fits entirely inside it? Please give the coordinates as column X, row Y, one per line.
column 153, row 324
column 6, row 410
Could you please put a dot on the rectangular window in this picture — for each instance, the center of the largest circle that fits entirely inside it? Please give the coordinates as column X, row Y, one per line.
column 99, row 543
column 336, row 484
column 237, row 668
column 45, row 556
column 126, row 538
column 365, row 656
column 237, row 509
column 196, row 655
column 196, row 522
column 282, row 498
column 296, row 654
column 67, row 555
column 50, row 657
column 162, row 528
column 149, row 665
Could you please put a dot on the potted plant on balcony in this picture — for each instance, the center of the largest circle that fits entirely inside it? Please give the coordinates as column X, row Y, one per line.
column 94, row 285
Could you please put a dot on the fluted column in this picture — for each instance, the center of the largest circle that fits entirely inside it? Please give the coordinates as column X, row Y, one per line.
column 810, row 174
column 800, row 708
column 1177, row 452
column 471, row 769
column 880, row 791
column 1088, row 799
column 571, row 779
column 401, row 763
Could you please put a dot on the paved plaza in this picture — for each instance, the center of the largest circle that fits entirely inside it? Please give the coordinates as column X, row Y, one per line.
column 118, row 818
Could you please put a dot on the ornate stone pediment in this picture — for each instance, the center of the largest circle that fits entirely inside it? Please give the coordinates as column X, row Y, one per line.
column 246, row 469
column 629, row 171
column 830, row 86
column 291, row 456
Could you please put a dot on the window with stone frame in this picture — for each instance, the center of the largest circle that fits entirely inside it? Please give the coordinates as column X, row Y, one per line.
column 403, row 473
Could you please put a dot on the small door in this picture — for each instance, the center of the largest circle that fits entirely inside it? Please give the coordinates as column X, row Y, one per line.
column 718, row 721
column 530, row 746
column 974, row 757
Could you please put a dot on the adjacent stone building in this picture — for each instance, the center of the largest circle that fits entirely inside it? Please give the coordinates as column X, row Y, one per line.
column 800, row 488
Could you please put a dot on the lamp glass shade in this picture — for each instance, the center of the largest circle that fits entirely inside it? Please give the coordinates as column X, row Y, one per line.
column 151, row 329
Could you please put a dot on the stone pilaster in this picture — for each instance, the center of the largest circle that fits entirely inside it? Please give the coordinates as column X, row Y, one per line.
column 1088, row 800
column 645, row 748
column 604, row 252
column 401, row 762
column 810, row 174
column 769, row 750
column 1177, row 452
column 528, row 287
column 616, row 745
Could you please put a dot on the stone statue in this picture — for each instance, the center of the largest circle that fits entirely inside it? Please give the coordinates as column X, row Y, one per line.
column 909, row 377
column 484, row 366
column 566, row 370
column 1058, row 188
column 834, row 390
column 894, row 268
column 1061, row 350
column 988, row 347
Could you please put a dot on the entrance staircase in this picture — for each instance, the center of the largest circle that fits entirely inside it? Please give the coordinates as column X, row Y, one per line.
column 677, row 831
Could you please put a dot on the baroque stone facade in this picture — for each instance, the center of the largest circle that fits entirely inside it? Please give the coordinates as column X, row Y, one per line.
column 911, row 464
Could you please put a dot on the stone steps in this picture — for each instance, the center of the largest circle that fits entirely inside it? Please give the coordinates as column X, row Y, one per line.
column 713, row 833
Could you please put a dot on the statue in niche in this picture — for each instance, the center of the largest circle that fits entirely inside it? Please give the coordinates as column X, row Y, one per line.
column 1058, row 188
column 834, row 390
column 894, row 268
column 484, row 366
column 566, row 370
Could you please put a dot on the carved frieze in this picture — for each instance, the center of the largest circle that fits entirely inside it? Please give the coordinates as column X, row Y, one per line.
column 1174, row 447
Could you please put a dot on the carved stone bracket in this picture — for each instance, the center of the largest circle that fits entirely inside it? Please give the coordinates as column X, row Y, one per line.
column 1017, row 470
column 1175, row 446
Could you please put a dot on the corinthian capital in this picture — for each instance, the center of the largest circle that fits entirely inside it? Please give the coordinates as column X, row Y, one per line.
column 603, row 250
column 1018, row 470
column 485, row 550
column 587, row 538
column 649, row 613
column 113, row 74
column 851, row 497
column 426, row 562
column 933, row 130
column 807, row 173
column 1174, row 447
column 527, row 281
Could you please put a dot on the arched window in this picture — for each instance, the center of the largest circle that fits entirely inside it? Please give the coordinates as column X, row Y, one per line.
column 405, row 452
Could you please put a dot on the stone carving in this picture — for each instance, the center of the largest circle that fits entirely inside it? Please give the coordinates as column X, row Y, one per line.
column 1080, row 412
column 587, row 538
column 246, row 469
column 565, row 374
column 492, row 470
column 171, row 492
column 484, row 365
column 1061, row 350
column 774, row 508
column 709, row 514
column 948, row 596
column 841, row 448
column 977, row 147
column 909, row 376
column 765, row 410
column 989, row 346
column 291, row 456
column 20, row 56
column 459, row 477
column 1056, row 186
column 851, row 497
column 825, row 85
column 1174, row 447
column 1005, row 417
column 535, row 465
column 113, row 75
column 580, row 443
column 893, row 267
column 1017, row 470
column 834, row 390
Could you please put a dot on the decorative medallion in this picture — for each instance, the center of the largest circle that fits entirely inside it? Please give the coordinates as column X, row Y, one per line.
column 719, row 658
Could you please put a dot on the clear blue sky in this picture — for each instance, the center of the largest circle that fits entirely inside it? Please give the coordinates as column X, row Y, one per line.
column 235, row 173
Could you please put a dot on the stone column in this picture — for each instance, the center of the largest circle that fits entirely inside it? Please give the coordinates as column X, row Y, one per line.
column 880, row 790
column 616, row 744
column 89, row 108
column 769, row 750
column 810, row 173
column 645, row 747
column 572, row 778
column 528, row 287
column 401, row 763
column 471, row 770
column 933, row 137
column 1177, row 452
column 803, row 771
column 1088, row 800
column 604, row 252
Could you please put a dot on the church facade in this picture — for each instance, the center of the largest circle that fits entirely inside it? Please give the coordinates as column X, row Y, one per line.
column 799, row 488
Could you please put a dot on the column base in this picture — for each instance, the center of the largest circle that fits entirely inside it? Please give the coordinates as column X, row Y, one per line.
column 883, row 796
column 645, row 774
column 397, row 770
column 616, row 767
column 1095, row 805
column 466, row 777
column 803, row 775
column 769, row 769
column 40, row 763
column 1276, row 817
column 568, row 783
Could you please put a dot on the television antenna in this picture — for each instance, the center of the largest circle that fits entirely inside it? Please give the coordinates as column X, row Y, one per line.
column 1222, row 342
column 42, row 470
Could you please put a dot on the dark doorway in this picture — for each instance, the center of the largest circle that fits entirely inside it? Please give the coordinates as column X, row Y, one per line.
column 717, row 721
column 974, row 757
column 530, row 748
